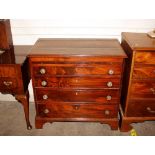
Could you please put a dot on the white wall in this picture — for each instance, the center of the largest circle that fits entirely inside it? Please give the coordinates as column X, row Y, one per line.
column 28, row 31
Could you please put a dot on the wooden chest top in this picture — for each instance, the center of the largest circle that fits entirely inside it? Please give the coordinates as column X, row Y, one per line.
column 139, row 41
column 77, row 47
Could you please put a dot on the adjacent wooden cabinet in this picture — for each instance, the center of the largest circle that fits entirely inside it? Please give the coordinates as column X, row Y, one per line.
column 138, row 93
column 14, row 70
column 77, row 80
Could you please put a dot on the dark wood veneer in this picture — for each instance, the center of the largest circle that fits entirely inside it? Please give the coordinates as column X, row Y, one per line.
column 143, row 71
column 77, row 69
column 77, row 80
column 77, row 110
column 138, row 92
column 77, row 95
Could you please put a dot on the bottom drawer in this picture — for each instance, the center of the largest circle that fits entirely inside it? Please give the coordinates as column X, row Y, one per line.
column 72, row 110
column 141, row 108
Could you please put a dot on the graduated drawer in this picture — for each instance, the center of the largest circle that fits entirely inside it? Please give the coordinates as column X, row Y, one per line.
column 8, row 84
column 77, row 82
column 142, row 89
column 72, row 110
column 145, row 57
column 144, row 71
column 76, row 69
column 93, row 96
column 141, row 108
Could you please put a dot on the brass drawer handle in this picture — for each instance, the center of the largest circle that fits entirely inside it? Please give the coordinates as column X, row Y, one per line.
column 42, row 71
column 7, row 83
column 149, row 110
column 45, row 97
column 109, row 84
column 44, row 83
column 111, row 72
column 153, row 90
column 108, row 98
column 76, row 107
column 46, row 111
column 107, row 112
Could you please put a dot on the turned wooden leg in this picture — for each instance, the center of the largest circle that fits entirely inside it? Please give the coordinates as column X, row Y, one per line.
column 24, row 100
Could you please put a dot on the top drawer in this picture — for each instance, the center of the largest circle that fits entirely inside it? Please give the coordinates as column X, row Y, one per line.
column 145, row 57
column 76, row 69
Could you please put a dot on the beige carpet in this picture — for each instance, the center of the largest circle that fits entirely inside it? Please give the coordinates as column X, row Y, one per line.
column 12, row 122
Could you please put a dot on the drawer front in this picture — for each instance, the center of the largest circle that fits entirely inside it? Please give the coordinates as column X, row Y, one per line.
column 146, row 71
column 77, row 82
column 71, row 110
column 93, row 96
column 145, row 57
column 76, row 70
column 143, row 89
column 141, row 108
column 8, row 84
column 8, row 71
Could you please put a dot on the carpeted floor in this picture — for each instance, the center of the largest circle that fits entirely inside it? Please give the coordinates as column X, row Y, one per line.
column 12, row 122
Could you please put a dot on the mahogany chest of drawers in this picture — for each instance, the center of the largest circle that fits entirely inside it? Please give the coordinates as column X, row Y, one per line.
column 77, row 80
column 138, row 93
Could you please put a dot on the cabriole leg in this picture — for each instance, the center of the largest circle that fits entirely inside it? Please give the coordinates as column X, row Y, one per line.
column 24, row 100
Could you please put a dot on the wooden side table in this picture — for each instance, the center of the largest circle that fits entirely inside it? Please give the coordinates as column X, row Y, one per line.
column 14, row 70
